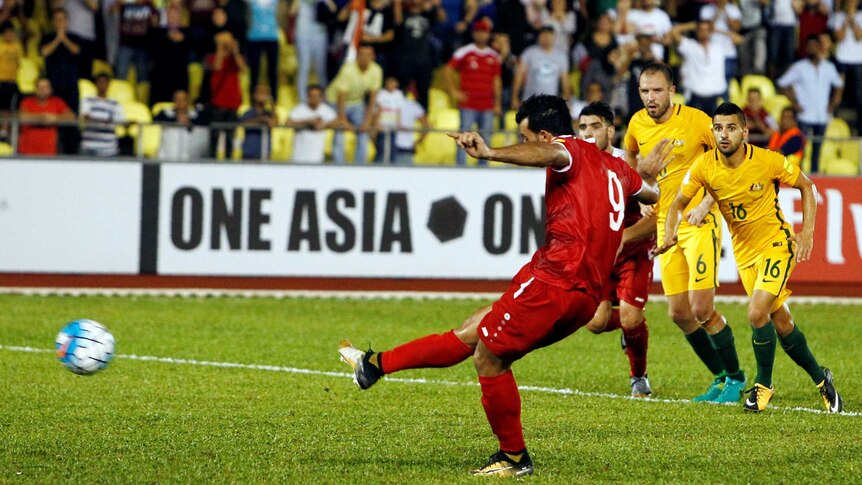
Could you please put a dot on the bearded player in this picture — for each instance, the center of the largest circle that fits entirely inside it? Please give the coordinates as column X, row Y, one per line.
column 689, row 270
column 553, row 295
column 744, row 179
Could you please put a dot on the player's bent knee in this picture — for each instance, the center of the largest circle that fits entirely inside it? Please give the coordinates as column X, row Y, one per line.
column 758, row 317
column 487, row 364
column 631, row 319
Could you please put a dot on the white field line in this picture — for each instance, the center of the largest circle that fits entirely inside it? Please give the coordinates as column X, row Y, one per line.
column 296, row 370
column 344, row 295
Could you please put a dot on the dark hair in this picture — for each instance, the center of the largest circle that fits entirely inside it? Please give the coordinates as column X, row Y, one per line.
column 792, row 110
column 601, row 109
column 730, row 109
column 6, row 26
column 313, row 86
column 813, row 37
column 546, row 112
column 655, row 67
column 101, row 75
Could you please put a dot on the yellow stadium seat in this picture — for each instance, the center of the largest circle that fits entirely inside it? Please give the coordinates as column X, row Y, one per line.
column 281, row 114
column 282, row 144
column 438, row 99
column 5, row 149
column 767, row 89
column 122, row 91
column 287, row 97
column 775, row 104
column 678, row 98
column 139, row 115
column 161, row 106
column 244, row 83
column 86, row 88
column 196, row 78
column 437, row 148
column 575, row 82
column 839, row 154
column 28, row 74
column 735, row 93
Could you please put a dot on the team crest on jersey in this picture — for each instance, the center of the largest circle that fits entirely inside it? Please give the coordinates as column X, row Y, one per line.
column 678, row 143
column 755, row 187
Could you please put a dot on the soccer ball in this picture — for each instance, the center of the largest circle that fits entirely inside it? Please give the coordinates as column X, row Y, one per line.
column 84, row 346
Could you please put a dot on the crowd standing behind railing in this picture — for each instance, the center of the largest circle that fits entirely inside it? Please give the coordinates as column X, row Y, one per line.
column 258, row 61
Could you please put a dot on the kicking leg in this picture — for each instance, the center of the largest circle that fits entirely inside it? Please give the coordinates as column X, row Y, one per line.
column 437, row 350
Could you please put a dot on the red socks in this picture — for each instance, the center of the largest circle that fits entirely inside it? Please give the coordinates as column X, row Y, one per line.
column 439, row 350
column 502, row 404
column 637, row 340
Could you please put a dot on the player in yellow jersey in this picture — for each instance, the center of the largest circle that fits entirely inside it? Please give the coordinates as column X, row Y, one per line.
column 689, row 270
column 744, row 180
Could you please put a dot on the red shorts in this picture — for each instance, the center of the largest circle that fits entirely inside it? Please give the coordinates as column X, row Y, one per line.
column 630, row 281
column 532, row 314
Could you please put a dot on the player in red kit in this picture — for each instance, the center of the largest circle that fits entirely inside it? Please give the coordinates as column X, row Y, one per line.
column 627, row 290
column 553, row 295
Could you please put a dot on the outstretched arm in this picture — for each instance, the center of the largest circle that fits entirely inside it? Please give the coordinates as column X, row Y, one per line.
column 528, row 154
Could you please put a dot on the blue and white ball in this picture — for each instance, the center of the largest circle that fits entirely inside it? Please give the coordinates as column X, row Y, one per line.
column 84, row 346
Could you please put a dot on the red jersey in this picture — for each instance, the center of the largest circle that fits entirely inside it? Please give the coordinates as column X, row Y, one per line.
column 584, row 216
column 224, row 83
column 478, row 68
column 40, row 140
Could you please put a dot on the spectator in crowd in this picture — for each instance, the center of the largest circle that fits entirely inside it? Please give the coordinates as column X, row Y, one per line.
column 378, row 28
column 82, row 24
column 561, row 17
column 38, row 115
column 847, row 27
column 702, row 66
column 181, row 138
column 781, row 40
column 788, row 139
column 654, row 21
column 225, row 96
column 387, row 110
column 200, row 25
column 11, row 53
column 752, row 49
column 61, row 49
column 596, row 55
column 257, row 119
column 171, row 65
column 263, row 40
column 637, row 57
column 761, row 125
column 726, row 21
column 813, row 20
column 101, row 116
column 310, row 120
column 137, row 20
column 473, row 10
column 815, row 88
column 353, row 91
column 542, row 70
column 311, row 42
column 238, row 14
column 512, row 19
column 395, row 122
column 413, row 44
column 508, row 66
column 480, row 90
column 594, row 93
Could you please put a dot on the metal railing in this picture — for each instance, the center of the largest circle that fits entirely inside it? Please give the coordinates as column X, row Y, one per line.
column 222, row 141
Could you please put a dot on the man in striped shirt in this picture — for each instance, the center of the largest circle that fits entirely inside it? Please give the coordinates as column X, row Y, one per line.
column 101, row 116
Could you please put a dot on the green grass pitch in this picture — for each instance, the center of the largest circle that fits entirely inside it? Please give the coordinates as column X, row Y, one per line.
column 170, row 422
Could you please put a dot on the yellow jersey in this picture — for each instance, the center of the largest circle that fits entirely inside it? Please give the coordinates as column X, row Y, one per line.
column 690, row 129
column 747, row 197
